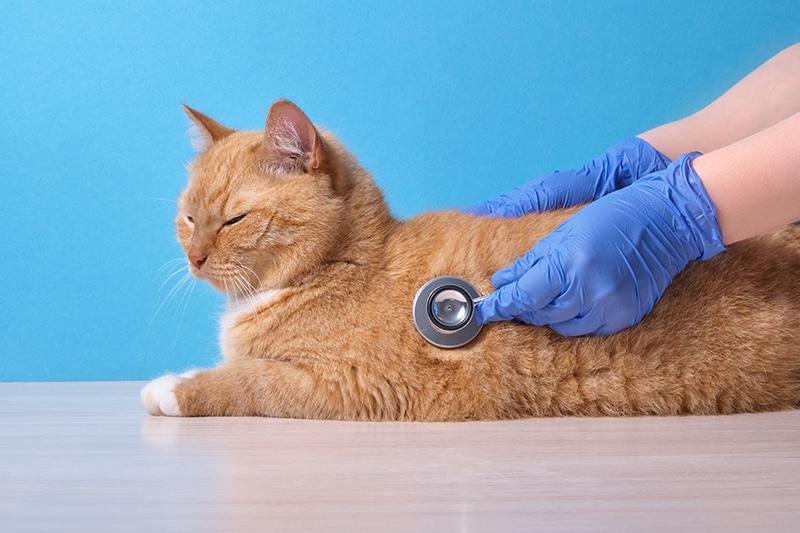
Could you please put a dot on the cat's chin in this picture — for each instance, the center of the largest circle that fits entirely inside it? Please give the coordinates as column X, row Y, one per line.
column 218, row 284
column 232, row 289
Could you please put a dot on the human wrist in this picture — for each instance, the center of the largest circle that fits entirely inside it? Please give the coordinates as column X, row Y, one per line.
column 696, row 216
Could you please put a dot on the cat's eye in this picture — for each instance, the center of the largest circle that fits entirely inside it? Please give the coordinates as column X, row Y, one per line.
column 190, row 219
column 234, row 220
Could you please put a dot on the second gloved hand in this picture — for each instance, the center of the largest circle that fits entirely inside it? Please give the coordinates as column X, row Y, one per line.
column 605, row 267
column 618, row 167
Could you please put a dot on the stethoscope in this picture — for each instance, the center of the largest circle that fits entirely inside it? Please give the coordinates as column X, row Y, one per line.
column 443, row 311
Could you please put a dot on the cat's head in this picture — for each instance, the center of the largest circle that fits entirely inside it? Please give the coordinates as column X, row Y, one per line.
column 263, row 208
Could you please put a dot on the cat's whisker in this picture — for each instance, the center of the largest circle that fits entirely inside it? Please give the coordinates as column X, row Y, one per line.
column 185, row 280
column 244, row 290
column 171, row 262
column 169, row 265
column 253, row 291
column 168, row 200
column 191, row 281
column 245, row 270
column 174, row 290
column 181, row 288
column 182, row 269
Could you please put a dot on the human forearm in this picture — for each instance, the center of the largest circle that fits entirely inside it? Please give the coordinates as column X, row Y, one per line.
column 755, row 182
column 764, row 97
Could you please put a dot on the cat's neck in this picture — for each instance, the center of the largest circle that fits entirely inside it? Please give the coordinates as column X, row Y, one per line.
column 366, row 221
column 367, row 224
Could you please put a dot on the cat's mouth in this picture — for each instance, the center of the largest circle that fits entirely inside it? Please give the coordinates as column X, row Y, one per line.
column 235, row 281
column 199, row 273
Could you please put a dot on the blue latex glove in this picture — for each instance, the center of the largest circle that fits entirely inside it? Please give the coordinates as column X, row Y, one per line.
column 618, row 167
column 605, row 267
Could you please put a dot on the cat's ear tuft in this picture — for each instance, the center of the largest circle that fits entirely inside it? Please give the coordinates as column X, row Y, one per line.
column 291, row 144
column 206, row 130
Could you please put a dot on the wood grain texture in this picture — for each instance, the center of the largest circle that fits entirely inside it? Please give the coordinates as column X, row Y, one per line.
column 86, row 457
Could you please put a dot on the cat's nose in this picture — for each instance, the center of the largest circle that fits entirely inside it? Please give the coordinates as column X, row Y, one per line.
column 197, row 259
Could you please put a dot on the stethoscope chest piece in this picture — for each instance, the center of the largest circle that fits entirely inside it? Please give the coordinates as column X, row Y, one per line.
column 443, row 312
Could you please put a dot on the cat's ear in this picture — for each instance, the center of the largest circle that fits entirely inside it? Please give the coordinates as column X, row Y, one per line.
column 291, row 144
column 208, row 130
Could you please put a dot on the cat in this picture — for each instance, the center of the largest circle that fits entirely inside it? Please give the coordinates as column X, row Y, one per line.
column 321, row 277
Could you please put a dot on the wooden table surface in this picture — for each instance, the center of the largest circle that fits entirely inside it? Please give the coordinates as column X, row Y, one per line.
column 86, row 457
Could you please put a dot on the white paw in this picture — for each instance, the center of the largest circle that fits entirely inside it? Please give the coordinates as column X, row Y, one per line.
column 158, row 396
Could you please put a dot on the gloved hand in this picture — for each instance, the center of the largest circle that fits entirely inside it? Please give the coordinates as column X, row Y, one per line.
column 618, row 167
column 605, row 267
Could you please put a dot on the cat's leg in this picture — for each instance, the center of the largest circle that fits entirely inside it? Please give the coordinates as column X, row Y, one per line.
column 254, row 387
column 158, row 397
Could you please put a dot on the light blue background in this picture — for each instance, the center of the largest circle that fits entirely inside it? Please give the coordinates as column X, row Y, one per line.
column 447, row 103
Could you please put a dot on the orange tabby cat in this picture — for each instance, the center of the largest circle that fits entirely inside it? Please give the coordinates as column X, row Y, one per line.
column 321, row 278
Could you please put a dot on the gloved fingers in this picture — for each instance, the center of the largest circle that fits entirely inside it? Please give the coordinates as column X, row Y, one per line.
column 590, row 324
column 549, row 191
column 514, row 271
column 481, row 209
column 505, row 303
column 565, row 304
column 574, row 327
column 596, row 322
column 521, row 201
column 533, row 291
column 564, row 320
column 616, row 168
column 523, row 264
column 558, row 190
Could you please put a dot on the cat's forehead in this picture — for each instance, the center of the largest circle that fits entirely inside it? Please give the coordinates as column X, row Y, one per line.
column 232, row 156
column 225, row 174
column 219, row 196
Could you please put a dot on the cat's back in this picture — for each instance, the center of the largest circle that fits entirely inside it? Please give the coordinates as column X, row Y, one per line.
column 458, row 244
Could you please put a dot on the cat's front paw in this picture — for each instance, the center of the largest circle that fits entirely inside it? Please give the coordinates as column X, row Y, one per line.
column 158, row 396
